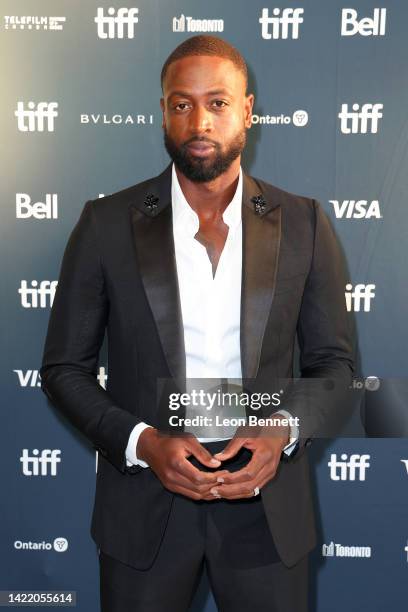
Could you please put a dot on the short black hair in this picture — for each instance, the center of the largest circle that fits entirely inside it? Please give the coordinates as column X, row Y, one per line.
column 206, row 45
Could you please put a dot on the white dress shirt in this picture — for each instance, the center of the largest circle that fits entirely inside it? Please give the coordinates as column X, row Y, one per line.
column 211, row 306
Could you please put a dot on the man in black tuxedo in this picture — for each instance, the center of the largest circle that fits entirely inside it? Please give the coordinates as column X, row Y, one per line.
column 266, row 268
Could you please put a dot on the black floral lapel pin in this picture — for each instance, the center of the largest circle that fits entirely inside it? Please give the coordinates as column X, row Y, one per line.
column 151, row 202
column 259, row 204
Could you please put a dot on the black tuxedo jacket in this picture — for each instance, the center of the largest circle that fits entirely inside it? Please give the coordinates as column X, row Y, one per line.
column 118, row 274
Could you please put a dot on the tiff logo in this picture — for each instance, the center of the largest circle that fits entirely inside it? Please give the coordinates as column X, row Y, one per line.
column 115, row 24
column 280, row 23
column 375, row 26
column 44, row 464
column 347, row 469
column 36, row 119
column 356, row 209
column 361, row 295
column 358, row 121
column 39, row 210
column 39, row 295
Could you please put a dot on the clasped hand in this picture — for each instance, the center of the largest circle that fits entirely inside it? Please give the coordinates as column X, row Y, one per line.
column 168, row 457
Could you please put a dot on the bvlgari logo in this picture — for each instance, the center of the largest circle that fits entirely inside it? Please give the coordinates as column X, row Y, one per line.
column 116, row 119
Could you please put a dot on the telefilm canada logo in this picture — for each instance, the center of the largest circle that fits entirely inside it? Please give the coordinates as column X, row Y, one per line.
column 299, row 118
column 185, row 23
column 34, row 22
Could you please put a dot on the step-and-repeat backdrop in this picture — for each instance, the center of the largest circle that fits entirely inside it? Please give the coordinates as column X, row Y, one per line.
column 81, row 118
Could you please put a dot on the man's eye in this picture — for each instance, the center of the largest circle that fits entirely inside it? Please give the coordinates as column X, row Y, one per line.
column 220, row 103
column 179, row 105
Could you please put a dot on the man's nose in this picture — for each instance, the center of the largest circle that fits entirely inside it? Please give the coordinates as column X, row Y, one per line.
column 200, row 120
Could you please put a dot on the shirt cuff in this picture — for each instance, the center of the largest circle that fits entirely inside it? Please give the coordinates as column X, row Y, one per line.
column 131, row 457
column 293, row 434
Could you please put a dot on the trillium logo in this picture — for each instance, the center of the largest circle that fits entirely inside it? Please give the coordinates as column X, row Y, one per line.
column 300, row 118
column 60, row 544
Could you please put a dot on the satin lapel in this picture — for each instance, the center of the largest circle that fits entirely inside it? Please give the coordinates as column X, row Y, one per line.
column 261, row 231
column 151, row 218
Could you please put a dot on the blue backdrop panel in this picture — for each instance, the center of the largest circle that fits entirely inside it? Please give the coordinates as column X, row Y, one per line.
column 80, row 118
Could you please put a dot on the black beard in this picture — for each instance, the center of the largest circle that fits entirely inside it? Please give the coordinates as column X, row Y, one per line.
column 199, row 170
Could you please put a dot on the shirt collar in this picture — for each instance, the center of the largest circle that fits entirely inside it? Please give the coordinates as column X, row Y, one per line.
column 185, row 217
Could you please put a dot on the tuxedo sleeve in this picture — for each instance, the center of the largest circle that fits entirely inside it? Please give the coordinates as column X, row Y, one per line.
column 76, row 329
column 321, row 397
column 293, row 433
column 131, row 455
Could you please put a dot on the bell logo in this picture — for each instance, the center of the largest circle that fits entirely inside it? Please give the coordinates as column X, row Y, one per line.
column 39, row 210
column 360, row 121
column 348, row 468
column 38, row 118
column 115, row 24
column 350, row 25
column 280, row 23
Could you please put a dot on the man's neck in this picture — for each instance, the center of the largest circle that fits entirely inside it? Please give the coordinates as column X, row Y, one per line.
column 210, row 199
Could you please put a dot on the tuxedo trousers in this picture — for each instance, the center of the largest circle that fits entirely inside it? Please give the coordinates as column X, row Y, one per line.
column 231, row 539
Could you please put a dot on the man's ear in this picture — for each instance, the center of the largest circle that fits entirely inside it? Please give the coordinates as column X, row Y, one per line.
column 249, row 103
column 162, row 108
